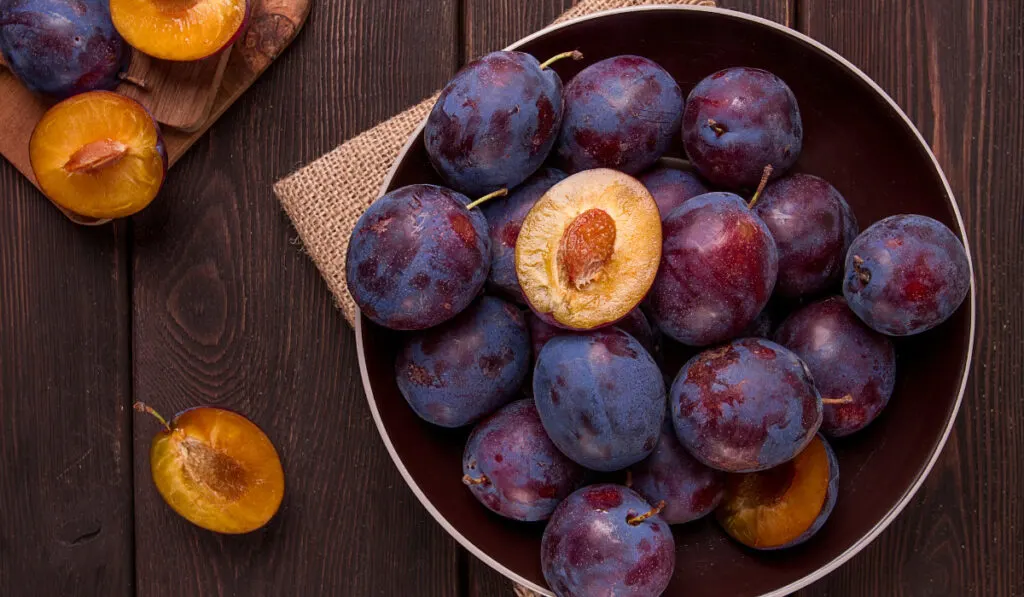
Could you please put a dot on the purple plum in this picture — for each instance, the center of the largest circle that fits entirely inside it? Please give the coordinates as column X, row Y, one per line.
column 854, row 367
column 689, row 489
column 601, row 398
column 634, row 323
column 504, row 218
column 61, row 48
column 813, row 227
column 494, row 123
column 739, row 120
column 670, row 187
column 746, row 406
column 606, row 540
column 718, row 268
column 621, row 113
column 906, row 274
column 512, row 467
column 417, row 257
column 457, row 373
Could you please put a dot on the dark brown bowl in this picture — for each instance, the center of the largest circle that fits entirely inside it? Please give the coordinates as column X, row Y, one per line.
column 858, row 139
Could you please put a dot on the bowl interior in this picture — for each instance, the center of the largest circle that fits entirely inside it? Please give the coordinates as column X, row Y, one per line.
column 861, row 145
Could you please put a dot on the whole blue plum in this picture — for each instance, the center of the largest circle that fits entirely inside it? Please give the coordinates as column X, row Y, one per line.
column 670, row 187
column 689, row 489
column 457, row 373
column 512, row 467
column 635, row 324
column 494, row 123
column 417, row 257
column 61, row 48
column 813, row 227
column 739, row 120
column 620, row 113
column 746, row 406
column 504, row 218
column 906, row 274
column 601, row 398
column 606, row 540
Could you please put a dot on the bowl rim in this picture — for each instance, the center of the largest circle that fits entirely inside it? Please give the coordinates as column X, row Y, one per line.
column 904, row 500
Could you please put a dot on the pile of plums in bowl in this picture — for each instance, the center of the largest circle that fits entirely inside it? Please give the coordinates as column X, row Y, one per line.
column 635, row 343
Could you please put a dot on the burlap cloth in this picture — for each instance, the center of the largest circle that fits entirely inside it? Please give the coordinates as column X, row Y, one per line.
column 325, row 198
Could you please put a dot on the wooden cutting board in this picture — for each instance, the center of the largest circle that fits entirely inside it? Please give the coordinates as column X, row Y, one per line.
column 186, row 98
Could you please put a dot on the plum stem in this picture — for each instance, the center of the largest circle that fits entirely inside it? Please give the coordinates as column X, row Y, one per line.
column 142, row 407
column 635, row 520
column 676, row 164
column 629, row 479
column 765, row 175
column 488, row 197
column 847, row 399
column 474, row 481
column 718, row 128
column 140, row 83
column 575, row 55
column 858, row 266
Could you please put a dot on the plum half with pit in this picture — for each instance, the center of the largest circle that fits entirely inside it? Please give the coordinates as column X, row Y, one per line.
column 180, row 30
column 495, row 122
column 813, row 227
column 99, row 154
column 601, row 398
column 906, row 274
column 747, row 406
column 854, row 367
column 454, row 374
column 61, row 48
column 417, row 257
column 739, row 120
column 620, row 113
column 718, row 268
column 512, row 467
column 670, row 187
column 588, row 251
column 504, row 219
column 689, row 489
column 785, row 506
column 606, row 540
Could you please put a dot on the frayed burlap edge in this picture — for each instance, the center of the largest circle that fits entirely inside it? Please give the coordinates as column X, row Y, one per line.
column 325, row 198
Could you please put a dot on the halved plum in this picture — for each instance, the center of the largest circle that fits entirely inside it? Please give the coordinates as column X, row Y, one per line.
column 784, row 506
column 180, row 30
column 588, row 251
column 99, row 154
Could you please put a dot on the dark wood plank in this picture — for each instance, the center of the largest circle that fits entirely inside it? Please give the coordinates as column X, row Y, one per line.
column 229, row 312
column 493, row 24
column 65, row 465
column 955, row 67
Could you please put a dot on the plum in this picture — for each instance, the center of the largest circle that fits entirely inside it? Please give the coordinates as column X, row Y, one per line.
column 620, row 113
column 495, row 122
column 417, row 257
column 906, row 274
column 588, row 251
column 739, row 120
column 180, row 30
column 634, row 323
column 670, row 474
column 854, row 367
column 512, row 467
column 813, row 227
column 746, row 406
column 601, row 398
column 457, row 373
column 784, row 506
column 61, row 48
column 670, row 187
column 717, row 271
column 99, row 154
column 606, row 540
column 504, row 219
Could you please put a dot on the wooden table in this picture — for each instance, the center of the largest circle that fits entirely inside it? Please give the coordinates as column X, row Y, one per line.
column 207, row 298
